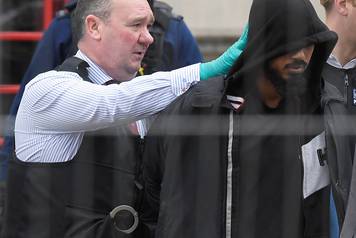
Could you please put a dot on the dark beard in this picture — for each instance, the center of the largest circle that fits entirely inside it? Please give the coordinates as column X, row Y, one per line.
column 295, row 86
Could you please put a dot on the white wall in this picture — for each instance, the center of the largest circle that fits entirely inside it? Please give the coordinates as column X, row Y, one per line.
column 218, row 17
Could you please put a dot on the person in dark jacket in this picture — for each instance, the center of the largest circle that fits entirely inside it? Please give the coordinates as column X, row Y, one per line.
column 339, row 96
column 238, row 157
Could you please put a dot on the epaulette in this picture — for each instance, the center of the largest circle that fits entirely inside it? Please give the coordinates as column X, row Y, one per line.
column 163, row 14
column 68, row 8
column 75, row 65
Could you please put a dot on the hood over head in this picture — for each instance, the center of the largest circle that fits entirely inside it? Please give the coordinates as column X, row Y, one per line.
column 278, row 27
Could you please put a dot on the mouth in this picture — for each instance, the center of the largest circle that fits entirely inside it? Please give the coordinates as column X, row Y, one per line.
column 296, row 68
column 139, row 53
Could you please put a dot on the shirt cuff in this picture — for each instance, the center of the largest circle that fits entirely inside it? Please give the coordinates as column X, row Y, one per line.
column 183, row 78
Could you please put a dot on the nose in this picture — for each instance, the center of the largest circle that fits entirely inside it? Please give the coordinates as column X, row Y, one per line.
column 304, row 54
column 146, row 38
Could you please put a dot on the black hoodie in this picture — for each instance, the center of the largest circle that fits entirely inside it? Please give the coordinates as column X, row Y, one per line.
column 270, row 203
column 191, row 166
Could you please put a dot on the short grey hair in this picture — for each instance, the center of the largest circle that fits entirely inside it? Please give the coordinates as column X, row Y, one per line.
column 99, row 8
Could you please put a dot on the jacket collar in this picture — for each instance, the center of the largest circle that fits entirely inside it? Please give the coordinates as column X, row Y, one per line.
column 333, row 61
column 212, row 93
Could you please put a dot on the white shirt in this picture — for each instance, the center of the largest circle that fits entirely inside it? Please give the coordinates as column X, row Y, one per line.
column 58, row 107
column 333, row 61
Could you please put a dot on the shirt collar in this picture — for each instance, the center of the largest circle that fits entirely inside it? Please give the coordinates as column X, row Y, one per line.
column 333, row 61
column 96, row 74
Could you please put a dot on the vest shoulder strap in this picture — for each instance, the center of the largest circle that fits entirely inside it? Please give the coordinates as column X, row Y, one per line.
column 75, row 65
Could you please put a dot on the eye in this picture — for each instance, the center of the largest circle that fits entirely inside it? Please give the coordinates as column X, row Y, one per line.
column 136, row 24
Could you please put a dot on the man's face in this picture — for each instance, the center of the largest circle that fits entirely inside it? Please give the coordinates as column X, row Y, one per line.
column 126, row 37
column 286, row 72
column 350, row 22
column 293, row 63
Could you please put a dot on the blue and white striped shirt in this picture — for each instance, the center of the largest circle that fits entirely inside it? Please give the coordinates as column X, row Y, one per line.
column 58, row 107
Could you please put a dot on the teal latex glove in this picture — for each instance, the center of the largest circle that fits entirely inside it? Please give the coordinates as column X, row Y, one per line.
column 222, row 65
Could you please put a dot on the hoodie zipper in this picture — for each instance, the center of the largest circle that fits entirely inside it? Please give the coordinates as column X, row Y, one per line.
column 228, row 217
column 346, row 92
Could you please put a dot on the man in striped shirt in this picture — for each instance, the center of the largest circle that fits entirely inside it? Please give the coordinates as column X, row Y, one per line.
column 66, row 190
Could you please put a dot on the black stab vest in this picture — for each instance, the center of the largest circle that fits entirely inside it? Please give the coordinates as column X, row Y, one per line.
column 75, row 198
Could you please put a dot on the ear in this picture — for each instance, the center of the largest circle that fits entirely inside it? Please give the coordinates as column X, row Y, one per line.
column 93, row 27
column 341, row 8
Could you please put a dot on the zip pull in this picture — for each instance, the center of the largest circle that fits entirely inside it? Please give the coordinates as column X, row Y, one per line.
column 347, row 84
column 346, row 91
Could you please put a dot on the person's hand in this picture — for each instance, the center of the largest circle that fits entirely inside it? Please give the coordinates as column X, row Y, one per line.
column 222, row 65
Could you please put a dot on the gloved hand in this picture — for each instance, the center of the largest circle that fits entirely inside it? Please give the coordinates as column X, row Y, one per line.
column 222, row 65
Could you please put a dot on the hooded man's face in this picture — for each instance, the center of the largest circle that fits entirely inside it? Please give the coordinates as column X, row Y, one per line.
column 286, row 72
column 293, row 63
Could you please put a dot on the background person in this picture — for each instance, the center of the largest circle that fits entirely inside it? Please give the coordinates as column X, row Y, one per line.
column 339, row 96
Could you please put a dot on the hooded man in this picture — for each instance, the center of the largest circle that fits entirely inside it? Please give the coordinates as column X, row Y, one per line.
column 243, row 157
